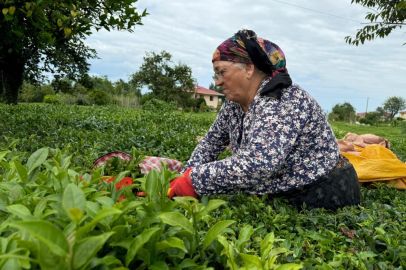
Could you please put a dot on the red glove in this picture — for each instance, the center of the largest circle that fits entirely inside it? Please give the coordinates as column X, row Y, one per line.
column 182, row 186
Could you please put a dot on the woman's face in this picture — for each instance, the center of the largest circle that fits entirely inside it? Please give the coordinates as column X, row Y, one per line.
column 232, row 79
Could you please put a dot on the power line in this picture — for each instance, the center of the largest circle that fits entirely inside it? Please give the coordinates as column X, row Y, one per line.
column 328, row 14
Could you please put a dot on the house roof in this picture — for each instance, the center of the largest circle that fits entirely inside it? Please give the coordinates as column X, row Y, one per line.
column 205, row 91
column 403, row 112
column 362, row 114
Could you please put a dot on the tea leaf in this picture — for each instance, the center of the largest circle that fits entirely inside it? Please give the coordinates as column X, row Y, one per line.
column 105, row 201
column 267, row 245
column 244, row 237
column 3, row 154
column 171, row 242
column 214, row 231
column 151, row 183
column 37, row 159
column 86, row 249
column 125, row 243
column 252, row 262
column 186, row 263
column 176, row 219
column 20, row 211
column 49, row 260
column 12, row 263
column 107, row 260
column 211, row 205
column 160, row 265
column 290, row 266
column 102, row 214
column 120, row 177
column 22, row 171
column 73, row 198
column 137, row 243
column 46, row 233
column 132, row 205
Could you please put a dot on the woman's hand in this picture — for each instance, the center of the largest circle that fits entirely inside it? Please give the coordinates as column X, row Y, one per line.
column 182, row 186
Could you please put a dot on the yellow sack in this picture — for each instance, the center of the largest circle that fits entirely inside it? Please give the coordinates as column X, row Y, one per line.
column 377, row 163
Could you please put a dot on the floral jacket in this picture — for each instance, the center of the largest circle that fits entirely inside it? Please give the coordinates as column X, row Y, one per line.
column 276, row 146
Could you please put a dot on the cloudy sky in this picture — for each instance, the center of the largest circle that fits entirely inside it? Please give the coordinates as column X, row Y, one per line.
column 311, row 34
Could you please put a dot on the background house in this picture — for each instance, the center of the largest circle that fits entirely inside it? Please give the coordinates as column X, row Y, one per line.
column 386, row 115
column 361, row 114
column 402, row 114
column 211, row 97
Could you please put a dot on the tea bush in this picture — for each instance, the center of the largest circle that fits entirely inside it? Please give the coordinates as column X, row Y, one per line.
column 56, row 212
column 159, row 105
column 54, row 216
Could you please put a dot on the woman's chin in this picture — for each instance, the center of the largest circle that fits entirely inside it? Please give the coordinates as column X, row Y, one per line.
column 228, row 96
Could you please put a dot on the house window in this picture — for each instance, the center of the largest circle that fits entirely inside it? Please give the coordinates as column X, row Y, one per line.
column 211, row 98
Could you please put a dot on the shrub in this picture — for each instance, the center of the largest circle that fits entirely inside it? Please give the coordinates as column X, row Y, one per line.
column 402, row 125
column 78, row 99
column 99, row 97
column 83, row 99
column 394, row 122
column 32, row 93
column 54, row 99
column 186, row 110
column 203, row 107
column 145, row 98
column 199, row 101
column 333, row 117
column 159, row 105
column 365, row 121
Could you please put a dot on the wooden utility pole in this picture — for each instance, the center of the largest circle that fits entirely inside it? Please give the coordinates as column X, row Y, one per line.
column 366, row 110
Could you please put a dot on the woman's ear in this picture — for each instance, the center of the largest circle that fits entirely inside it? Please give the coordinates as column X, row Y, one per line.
column 249, row 70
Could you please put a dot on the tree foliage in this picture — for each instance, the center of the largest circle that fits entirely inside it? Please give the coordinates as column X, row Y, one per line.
column 100, row 91
column 166, row 81
column 393, row 105
column 343, row 112
column 48, row 36
column 218, row 89
column 384, row 17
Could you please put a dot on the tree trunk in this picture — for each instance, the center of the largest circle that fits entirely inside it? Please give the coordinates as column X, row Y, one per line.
column 11, row 74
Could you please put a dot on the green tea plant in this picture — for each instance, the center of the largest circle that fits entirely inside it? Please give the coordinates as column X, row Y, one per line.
column 51, row 197
column 90, row 132
column 52, row 218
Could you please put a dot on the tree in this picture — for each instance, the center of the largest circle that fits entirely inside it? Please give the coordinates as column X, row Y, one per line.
column 382, row 113
column 103, row 83
column 386, row 15
column 48, row 36
column 372, row 118
column 166, row 81
column 218, row 89
column 393, row 105
column 343, row 112
column 63, row 85
column 123, row 87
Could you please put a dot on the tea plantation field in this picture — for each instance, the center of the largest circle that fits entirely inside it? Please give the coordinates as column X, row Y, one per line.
column 56, row 212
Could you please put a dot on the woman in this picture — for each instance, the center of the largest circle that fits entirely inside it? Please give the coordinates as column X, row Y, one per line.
column 280, row 140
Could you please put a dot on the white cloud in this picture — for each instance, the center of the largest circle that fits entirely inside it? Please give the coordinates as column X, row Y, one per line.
column 317, row 56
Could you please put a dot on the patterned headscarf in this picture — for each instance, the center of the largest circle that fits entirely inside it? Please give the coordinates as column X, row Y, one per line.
column 246, row 47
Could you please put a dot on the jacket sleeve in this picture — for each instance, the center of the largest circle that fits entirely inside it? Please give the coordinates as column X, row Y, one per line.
column 214, row 142
column 270, row 139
